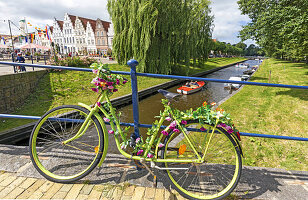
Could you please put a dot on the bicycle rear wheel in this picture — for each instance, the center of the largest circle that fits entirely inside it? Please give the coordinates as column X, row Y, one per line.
column 218, row 174
column 69, row 162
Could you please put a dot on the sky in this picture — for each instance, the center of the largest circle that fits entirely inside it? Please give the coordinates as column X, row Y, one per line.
column 227, row 16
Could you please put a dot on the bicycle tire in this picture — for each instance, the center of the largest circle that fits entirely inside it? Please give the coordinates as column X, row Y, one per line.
column 65, row 163
column 217, row 176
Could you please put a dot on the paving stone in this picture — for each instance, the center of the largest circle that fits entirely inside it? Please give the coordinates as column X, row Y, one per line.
column 1, row 188
column 3, row 176
column 108, row 191
column 159, row 194
column 169, row 195
column 96, row 192
column 11, row 187
column 28, row 192
column 14, row 193
column 59, row 195
column 149, row 193
column 74, row 192
column 27, row 183
column 52, row 191
column 42, row 190
column 138, row 193
column 66, row 187
column 129, row 191
column 117, row 194
column 82, row 197
column 86, row 189
column 7, row 181
column 126, row 198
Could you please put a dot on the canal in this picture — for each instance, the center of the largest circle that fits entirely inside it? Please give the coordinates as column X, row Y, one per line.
column 212, row 92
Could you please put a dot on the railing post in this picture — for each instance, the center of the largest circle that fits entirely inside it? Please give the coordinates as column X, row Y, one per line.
column 13, row 60
column 133, row 63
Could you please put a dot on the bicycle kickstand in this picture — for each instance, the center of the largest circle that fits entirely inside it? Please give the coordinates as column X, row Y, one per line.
column 142, row 161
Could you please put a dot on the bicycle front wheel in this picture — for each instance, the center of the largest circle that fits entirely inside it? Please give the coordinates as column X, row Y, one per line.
column 220, row 170
column 66, row 162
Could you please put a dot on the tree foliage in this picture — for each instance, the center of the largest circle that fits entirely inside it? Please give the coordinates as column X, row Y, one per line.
column 279, row 26
column 160, row 33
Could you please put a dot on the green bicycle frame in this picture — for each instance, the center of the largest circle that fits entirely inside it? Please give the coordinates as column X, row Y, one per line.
column 115, row 126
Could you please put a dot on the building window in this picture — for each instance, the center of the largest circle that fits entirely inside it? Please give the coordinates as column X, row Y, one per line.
column 102, row 33
column 103, row 42
column 92, row 41
column 98, row 42
column 97, row 33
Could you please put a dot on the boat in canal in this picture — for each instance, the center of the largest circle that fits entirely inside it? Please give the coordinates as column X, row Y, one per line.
column 242, row 65
column 191, row 87
column 233, row 86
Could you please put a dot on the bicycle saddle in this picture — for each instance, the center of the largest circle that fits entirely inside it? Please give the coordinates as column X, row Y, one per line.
column 168, row 95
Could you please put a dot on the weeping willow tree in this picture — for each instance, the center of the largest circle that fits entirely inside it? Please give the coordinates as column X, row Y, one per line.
column 160, row 33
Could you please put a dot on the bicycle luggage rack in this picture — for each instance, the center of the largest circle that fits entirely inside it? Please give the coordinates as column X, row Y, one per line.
column 134, row 75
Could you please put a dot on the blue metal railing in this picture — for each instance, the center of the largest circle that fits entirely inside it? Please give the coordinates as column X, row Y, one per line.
column 134, row 74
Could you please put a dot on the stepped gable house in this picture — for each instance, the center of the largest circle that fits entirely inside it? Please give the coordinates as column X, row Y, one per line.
column 81, row 35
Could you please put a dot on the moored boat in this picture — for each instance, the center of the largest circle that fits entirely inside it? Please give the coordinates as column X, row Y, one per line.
column 191, row 88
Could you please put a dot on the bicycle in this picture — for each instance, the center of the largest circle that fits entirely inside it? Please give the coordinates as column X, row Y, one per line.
column 199, row 149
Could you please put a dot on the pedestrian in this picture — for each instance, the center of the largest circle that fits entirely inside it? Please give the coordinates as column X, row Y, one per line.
column 21, row 59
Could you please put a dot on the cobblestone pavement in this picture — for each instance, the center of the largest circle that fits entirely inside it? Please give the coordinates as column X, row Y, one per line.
column 119, row 179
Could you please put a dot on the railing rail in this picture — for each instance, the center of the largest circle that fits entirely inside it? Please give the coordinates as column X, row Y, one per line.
column 134, row 74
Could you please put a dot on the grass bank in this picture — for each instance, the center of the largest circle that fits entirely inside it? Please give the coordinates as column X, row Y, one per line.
column 70, row 87
column 275, row 111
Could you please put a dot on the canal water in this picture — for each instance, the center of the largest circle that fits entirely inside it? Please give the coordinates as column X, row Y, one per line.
column 213, row 92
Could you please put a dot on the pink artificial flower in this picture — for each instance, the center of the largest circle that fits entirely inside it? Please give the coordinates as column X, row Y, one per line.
column 94, row 71
column 139, row 152
column 202, row 129
column 137, row 140
column 110, row 87
column 100, row 80
column 104, row 88
column 219, row 125
column 109, row 83
column 184, row 122
column 160, row 145
column 176, row 130
column 168, row 119
column 111, row 132
column 97, row 83
column 228, row 128
column 223, row 125
column 125, row 81
column 98, row 104
column 95, row 89
column 150, row 155
column 106, row 119
column 118, row 82
column 230, row 131
column 164, row 132
column 173, row 123
column 123, row 147
column 115, row 90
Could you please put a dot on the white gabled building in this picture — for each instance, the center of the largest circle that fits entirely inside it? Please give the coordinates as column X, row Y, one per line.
column 90, row 37
column 69, row 33
column 57, row 35
column 80, row 35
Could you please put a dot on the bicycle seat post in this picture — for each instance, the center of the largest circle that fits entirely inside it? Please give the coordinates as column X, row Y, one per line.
column 133, row 63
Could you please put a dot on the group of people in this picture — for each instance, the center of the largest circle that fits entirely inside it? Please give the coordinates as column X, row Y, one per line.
column 192, row 84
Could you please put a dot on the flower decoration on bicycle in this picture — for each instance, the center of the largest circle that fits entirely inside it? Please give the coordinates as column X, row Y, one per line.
column 104, row 80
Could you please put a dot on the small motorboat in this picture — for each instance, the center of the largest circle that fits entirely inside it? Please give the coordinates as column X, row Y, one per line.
column 234, row 86
column 243, row 66
column 248, row 72
column 245, row 77
column 191, row 88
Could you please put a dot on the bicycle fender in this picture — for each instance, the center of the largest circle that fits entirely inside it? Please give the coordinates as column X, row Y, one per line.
column 105, row 132
column 237, row 143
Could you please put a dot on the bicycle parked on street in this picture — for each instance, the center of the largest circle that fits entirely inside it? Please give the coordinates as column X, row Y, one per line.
column 199, row 149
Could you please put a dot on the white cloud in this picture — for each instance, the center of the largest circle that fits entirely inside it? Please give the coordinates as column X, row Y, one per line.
column 41, row 12
column 227, row 20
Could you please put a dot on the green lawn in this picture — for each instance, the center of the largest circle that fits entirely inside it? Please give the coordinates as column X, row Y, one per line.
column 70, row 87
column 275, row 111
